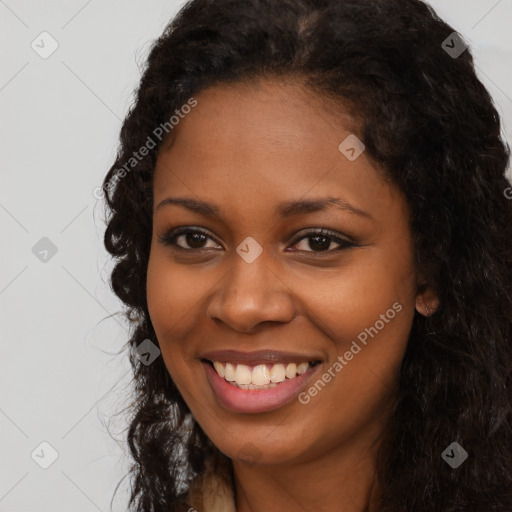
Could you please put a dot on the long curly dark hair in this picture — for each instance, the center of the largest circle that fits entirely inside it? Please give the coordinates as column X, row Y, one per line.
column 431, row 125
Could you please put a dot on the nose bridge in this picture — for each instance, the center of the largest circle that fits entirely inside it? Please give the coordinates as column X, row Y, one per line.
column 250, row 292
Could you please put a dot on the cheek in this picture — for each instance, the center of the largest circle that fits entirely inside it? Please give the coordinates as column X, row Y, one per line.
column 360, row 295
column 352, row 394
column 367, row 311
column 173, row 295
column 174, row 298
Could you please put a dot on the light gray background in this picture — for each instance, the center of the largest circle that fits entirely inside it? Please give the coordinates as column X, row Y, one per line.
column 60, row 379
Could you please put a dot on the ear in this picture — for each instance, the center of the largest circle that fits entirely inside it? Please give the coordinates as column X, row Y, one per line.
column 427, row 301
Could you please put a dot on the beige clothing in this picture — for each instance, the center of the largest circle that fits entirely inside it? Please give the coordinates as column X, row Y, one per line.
column 213, row 490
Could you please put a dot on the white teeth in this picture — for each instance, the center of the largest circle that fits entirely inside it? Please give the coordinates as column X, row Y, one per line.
column 277, row 373
column 302, row 368
column 271, row 385
column 252, row 386
column 242, row 374
column 219, row 368
column 229, row 372
column 261, row 376
column 291, row 370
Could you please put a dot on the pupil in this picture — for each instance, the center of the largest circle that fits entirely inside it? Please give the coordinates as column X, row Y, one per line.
column 195, row 238
column 324, row 245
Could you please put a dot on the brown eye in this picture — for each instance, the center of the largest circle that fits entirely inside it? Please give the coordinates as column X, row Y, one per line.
column 194, row 238
column 321, row 240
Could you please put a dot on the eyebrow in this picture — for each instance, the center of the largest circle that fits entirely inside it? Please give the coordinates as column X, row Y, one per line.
column 286, row 209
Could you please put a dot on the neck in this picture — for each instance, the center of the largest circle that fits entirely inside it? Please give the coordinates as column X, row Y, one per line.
column 342, row 479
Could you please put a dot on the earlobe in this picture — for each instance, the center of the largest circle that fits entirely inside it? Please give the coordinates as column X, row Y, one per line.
column 427, row 301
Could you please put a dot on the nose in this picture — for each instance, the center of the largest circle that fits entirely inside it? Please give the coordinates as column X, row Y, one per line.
column 250, row 294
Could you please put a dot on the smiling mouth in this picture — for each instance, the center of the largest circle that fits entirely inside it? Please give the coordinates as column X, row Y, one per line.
column 261, row 376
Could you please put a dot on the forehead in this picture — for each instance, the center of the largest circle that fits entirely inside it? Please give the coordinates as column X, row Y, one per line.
column 267, row 140
column 283, row 110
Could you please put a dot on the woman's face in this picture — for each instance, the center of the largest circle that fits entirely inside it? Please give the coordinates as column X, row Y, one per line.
column 256, row 165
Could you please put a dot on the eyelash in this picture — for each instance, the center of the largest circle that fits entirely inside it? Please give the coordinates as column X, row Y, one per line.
column 170, row 237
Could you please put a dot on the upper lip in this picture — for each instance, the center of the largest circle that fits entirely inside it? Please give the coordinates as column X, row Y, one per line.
column 258, row 357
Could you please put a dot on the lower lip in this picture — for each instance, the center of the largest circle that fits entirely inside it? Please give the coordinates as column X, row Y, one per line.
column 257, row 400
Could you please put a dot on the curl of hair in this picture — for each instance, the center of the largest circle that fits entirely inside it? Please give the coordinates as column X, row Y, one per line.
column 430, row 125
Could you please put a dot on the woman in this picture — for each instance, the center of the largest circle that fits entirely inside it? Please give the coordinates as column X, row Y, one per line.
column 309, row 214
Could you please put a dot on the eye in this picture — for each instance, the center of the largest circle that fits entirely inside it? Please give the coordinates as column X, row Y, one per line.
column 320, row 241
column 194, row 237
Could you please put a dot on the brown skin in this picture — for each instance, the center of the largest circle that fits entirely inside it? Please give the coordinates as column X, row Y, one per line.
column 246, row 148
